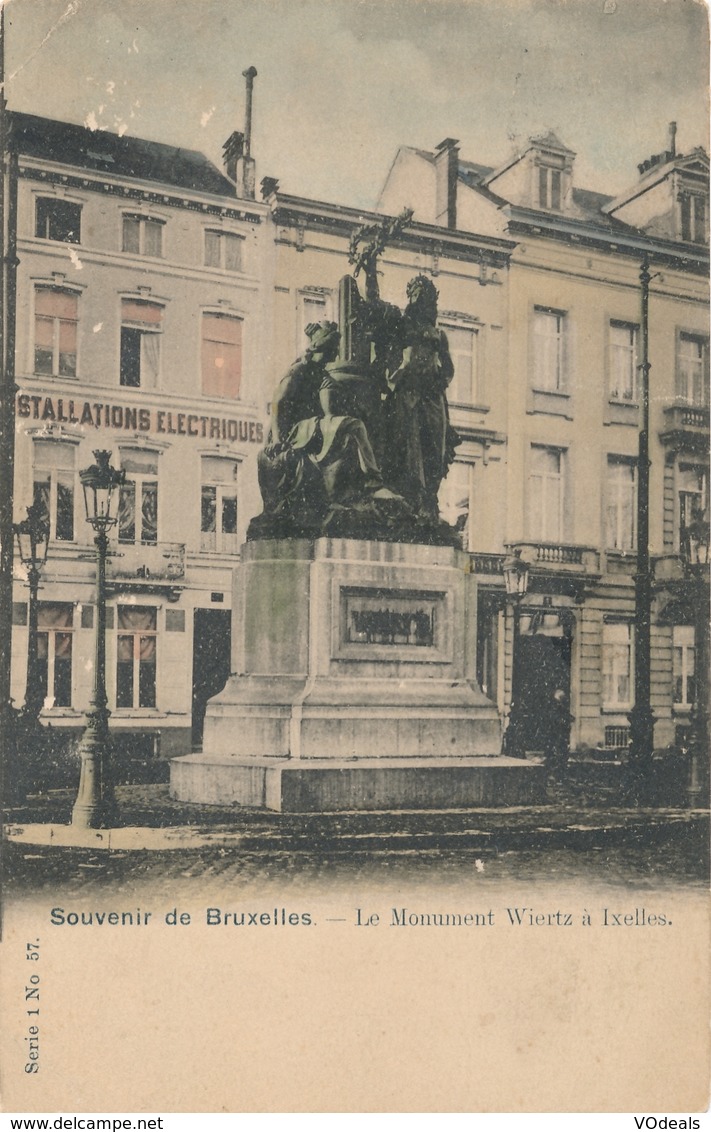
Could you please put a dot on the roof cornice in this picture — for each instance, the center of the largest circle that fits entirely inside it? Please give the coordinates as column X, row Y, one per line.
column 212, row 204
column 340, row 219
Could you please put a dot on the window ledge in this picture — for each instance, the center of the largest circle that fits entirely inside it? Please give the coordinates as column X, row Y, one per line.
column 468, row 407
column 55, row 376
column 138, row 713
column 551, row 392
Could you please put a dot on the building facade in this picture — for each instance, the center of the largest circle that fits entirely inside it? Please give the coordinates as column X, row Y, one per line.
column 141, row 329
column 157, row 310
column 573, row 416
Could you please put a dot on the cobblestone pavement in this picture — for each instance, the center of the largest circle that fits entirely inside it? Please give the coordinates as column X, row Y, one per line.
column 568, row 842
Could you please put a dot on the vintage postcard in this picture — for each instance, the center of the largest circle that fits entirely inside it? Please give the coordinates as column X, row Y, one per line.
column 354, row 428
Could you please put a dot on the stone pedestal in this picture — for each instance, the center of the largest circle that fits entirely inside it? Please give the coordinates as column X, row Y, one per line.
column 354, row 686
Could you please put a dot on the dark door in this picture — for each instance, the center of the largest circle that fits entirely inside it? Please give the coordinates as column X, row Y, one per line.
column 544, row 667
column 211, row 661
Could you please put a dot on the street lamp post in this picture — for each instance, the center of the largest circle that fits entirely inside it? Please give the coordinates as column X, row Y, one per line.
column 515, row 572
column 695, row 556
column 95, row 806
column 641, row 718
column 32, row 536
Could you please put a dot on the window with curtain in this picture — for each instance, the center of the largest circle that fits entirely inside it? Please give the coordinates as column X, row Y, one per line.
column 683, row 667
column 54, row 478
column 549, row 328
column 692, row 369
column 138, row 499
column 223, row 250
column 462, row 341
column 545, row 493
column 693, row 494
column 56, row 319
column 142, row 235
column 617, row 666
column 141, row 325
column 621, row 504
column 136, row 649
column 221, row 355
column 218, row 505
column 623, row 362
column 54, row 651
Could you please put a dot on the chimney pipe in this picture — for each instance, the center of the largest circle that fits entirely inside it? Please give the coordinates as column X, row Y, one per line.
column 672, row 138
column 250, row 75
column 446, row 175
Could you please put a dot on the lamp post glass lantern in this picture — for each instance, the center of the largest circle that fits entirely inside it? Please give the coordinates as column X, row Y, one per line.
column 695, row 556
column 515, row 572
column 95, row 806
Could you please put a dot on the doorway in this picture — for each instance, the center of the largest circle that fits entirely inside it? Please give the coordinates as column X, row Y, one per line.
column 212, row 651
column 544, row 666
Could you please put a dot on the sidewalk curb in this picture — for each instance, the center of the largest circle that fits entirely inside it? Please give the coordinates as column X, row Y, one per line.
column 582, row 835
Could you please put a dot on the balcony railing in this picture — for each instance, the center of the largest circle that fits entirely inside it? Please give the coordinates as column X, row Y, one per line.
column 488, row 564
column 583, row 558
column 157, row 561
column 688, row 424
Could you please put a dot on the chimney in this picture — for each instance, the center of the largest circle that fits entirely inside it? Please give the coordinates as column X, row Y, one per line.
column 269, row 186
column 246, row 169
column 446, row 174
column 672, row 139
column 232, row 151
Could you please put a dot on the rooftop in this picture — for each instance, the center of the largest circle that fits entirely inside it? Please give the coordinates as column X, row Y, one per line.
column 100, row 151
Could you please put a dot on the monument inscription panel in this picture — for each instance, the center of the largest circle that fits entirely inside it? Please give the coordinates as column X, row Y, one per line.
column 392, row 623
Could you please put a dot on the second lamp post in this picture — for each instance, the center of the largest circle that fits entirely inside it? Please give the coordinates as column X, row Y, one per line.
column 95, row 806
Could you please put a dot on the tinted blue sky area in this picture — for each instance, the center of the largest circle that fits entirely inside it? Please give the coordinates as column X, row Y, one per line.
column 343, row 83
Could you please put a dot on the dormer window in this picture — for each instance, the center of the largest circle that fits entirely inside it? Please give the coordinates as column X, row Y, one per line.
column 692, row 208
column 550, row 184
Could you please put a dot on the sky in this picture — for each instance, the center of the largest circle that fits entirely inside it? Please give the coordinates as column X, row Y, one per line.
column 342, row 84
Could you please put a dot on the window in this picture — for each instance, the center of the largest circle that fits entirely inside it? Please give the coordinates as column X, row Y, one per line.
column 549, row 187
column 223, row 250
column 692, row 369
column 683, row 665
column 221, row 355
column 136, row 657
column 621, row 504
column 142, row 235
column 54, row 651
column 455, row 498
column 462, row 342
column 693, row 218
column 56, row 314
column 53, row 484
column 623, row 362
column 57, row 219
column 218, row 505
column 548, row 350
column 140, row 343
column 314, row 306
column 616, row 666
column 546, row 494
column 692, row 494
column 138, row 501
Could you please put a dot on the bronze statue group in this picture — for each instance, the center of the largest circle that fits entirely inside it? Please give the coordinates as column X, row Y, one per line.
column 360, row 439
